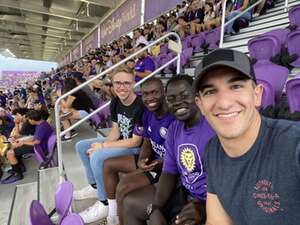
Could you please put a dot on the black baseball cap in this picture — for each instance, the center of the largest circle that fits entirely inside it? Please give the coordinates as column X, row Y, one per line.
column 223, row 57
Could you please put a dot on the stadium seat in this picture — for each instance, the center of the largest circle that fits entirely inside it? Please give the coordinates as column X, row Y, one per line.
column 63, row 199
column 212, row 38
column 293, row 46
column 274, row 75
column 197, row 41
column 293, row 94
column 280, row 34
column 39, row 153
column 268, row 97
column 263, row 48
column 72, row 219
column 294, row 16
column 38, row 215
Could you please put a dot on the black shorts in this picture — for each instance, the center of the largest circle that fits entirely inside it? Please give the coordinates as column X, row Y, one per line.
column 152, row 176
column 25, row 149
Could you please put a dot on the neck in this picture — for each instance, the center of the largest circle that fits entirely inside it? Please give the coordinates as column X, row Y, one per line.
column 128, row 101
column 237, row 147
column 161, row 111
column 193, row 120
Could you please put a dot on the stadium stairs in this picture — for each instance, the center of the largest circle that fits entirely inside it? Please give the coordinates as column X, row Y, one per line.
column 44, row 188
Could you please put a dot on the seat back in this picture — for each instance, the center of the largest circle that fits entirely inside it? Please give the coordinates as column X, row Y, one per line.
column 268, row 97
column 38, row 215
column 294, row 16
column 197, row 42
column 293, row 94
column 164, row 49
column 212, row 38
column 72, row 219
column 263, row 48
column 63, row 199
column 281, row 34
column 39, row 153
column 274, row 75
column 293, row 46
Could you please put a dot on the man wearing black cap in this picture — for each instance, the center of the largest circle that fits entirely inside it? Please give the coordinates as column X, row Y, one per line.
column 253, row 165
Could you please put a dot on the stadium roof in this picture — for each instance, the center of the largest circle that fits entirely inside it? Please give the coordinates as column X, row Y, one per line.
column 44, row 29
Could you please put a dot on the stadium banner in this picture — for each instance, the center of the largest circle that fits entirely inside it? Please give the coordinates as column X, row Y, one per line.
column 90, row 42
column 76, row 53
column 124, row 19
column 154, row 8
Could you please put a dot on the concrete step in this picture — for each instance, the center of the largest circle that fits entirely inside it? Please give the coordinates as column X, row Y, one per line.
column 23, row 196
column 243, row 42
column 281, row 5
column 48, row 179
column 269, row 19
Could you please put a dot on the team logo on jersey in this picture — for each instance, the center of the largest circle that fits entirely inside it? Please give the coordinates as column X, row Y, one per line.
column 149, row 129
column 187, row 158
column 163, row 132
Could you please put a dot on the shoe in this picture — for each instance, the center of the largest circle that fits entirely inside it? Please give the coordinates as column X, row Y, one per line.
column 112, row 220
column 22, row 167
column 12, row 178
column 74, row 133
column 66, row 139
column 256, row 15
column 84, row 193
column 94, row 213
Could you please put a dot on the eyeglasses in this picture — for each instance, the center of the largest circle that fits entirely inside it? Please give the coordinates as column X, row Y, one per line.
column 118, row 84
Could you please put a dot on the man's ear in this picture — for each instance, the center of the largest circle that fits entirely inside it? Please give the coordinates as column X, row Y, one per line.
column 199, row 103
column 258, row 92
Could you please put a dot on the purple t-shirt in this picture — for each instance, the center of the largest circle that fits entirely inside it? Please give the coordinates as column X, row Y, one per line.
column 42, row 133
column 155, row 129
column 184, row 155
column 145, row 64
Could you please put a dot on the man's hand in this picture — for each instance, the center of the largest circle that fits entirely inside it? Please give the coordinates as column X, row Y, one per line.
column 192, row 214
column 93, row 147
column 157, row 218
column 16, row 144
column 97, row 145
column 142, row 164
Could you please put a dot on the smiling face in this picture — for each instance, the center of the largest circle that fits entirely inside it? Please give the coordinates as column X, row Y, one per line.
column 181, row 101
column 123, row 83
column 228, row 100
column 153, row 96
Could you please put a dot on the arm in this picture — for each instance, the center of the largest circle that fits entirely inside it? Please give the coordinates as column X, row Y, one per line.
column 216, row 214
column 68, row 103
column 244, row 6
column 135, row 141
column 114, row 133
column 143, row 74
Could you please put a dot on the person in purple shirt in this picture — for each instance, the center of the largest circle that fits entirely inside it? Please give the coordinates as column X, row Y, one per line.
column 177, row 202
column 144, row 66
column 23, row 146
column 155, row 122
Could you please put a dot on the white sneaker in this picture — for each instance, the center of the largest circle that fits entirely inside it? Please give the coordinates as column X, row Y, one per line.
column 94, row 213
column 84, row 193
column 112, row 220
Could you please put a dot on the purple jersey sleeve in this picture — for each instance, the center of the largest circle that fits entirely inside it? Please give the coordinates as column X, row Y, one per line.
column 170, row 164
column 149, row 64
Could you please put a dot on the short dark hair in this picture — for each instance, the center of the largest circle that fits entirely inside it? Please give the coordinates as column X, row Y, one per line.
column 153, row 80
column 34, row 115
column 21, row 111
column 180, row 77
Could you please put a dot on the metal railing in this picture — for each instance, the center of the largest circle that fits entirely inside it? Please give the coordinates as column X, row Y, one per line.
column 286, row 5
column 223, row 24
column 60, row 133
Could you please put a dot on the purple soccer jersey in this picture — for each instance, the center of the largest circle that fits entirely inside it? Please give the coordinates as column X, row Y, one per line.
column 42, row 133
column 184, row 155
column 146, row 64
column 155, row 129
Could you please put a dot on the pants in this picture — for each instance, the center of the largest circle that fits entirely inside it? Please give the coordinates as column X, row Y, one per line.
column 229, row 27
column 94, row 164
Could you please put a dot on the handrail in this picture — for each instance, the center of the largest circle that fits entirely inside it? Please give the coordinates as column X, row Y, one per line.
column 286, row 5
column 60, row 133
column 223, row 24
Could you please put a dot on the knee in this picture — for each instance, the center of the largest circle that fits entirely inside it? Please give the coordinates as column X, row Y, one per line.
column 123, row 188
column 79, row 147
column 108, row 166
column 10, row 154
column 96, row 160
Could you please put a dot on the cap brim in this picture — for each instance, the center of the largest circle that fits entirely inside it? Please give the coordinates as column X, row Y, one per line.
column 202, row 74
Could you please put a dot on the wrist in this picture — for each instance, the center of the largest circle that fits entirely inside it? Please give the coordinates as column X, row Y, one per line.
column 151, row 208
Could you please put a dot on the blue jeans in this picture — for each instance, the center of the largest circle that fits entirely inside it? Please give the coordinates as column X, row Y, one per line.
column 229, row 27
column 94, row 164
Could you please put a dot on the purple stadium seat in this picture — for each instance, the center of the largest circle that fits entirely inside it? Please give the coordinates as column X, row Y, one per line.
column 185, row 43
column 293, row 94
column 39, row 153
column 72, row 219
column 274, row 75
column 197, row 41
column 268, row 97
column 263, row 48
column 164, row 49
column 280, row 34
column 63, row 199
column 51, row 149
column 293, row 46
column 212, row 38
column 294, row 16
column 38, row 215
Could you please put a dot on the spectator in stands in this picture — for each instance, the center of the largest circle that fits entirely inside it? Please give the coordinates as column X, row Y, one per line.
column 155, row 122
column 74, row 107
column 147, row 32
column 248, row 147
column 130, row 64
column 2, row 99
column 144, row 66
column 126, row 112
column 20, row 147
column 240, row 6
column 182, row 27
column 139, row 38
column 22, row 126
column 181, row 203
column 9, row 121
column 42, row 109
column 195, row 15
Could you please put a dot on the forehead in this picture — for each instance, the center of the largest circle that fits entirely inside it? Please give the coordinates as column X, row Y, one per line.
column 178, row 87
column 151, row 86
column 123, row 76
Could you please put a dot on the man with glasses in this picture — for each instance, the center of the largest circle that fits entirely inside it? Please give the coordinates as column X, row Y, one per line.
column 126, row 112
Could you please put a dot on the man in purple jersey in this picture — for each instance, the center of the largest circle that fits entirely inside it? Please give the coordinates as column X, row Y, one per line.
column 155, row 122
column 185, row 143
